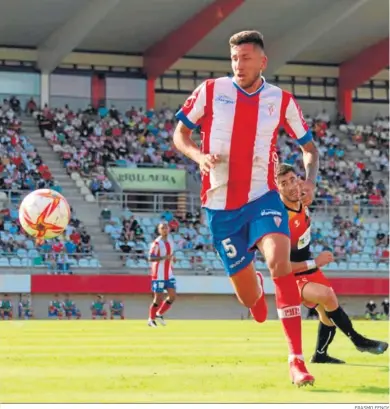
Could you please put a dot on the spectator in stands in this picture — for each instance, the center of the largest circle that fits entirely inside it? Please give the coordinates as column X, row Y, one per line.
column 337, row 219
column 105, row 214
column 324, row 117
column 385, row 308
column 371, row 312
column 15, row 104
column 31, row 106
column 63, row 265
column 380, row 238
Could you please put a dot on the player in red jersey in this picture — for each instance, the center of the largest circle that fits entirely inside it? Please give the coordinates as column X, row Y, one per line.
column 316, row 290
column 161, row 257
column 240, row 118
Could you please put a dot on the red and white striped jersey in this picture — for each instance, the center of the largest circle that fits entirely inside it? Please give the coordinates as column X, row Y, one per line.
column 242, row 129
column 162, row 270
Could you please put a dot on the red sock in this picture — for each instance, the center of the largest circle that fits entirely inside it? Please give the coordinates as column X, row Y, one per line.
column 166, row 305
column 153, row 311
column 288, row 303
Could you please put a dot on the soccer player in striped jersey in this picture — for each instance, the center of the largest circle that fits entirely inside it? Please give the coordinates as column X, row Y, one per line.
column 315, row 289
column 240, row 118
column 161, row 257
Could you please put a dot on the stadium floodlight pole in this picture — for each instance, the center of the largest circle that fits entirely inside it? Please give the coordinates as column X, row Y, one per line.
column 60, row 43
column 289, row 46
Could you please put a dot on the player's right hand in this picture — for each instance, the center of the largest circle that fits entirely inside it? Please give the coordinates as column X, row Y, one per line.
column 207, row 162
column 324, row 258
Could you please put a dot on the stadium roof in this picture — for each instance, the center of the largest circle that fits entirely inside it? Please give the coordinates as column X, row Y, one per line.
column 322, row 31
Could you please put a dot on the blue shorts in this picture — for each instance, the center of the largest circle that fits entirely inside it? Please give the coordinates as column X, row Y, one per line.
column 24, row 313
column 236, row 232
column 158, row 286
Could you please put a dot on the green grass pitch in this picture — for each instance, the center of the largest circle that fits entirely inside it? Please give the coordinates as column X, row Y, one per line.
column 187, row 361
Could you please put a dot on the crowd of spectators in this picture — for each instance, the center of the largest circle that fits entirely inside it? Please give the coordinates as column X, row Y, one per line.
column 349, row 239
column 22, row 169
column 340, row 181
column 88, row 141
column 353, row 239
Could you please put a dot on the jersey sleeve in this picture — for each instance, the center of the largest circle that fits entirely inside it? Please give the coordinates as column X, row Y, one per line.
column 154, row 250
column 194, row 107
column 294, row 122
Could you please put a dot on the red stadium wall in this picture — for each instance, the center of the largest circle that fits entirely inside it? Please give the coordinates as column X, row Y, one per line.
column 132, row 284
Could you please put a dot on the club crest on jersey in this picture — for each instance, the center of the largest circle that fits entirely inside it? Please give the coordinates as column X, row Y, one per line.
column 277, row 220
column 271, row 109
column 190, row 101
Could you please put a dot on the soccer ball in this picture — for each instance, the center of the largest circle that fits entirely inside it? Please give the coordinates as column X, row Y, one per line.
column 44, row 214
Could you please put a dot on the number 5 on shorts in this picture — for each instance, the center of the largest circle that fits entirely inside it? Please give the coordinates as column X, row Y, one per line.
column 229, row 248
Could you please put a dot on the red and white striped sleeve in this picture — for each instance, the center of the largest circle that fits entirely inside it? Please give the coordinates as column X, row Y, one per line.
column 194, row 107
column 154, row 249
column 294, row 122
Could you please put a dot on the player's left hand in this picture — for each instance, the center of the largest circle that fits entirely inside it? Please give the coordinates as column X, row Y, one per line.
column 324, row 258
column 307, row 192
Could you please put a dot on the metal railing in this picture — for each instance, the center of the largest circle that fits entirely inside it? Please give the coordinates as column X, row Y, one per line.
column 144, row 202
column 198, row 262
column 50, row 262
column 150, row 202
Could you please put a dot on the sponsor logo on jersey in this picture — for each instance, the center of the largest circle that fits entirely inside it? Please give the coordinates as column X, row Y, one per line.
column 237, row 263
column 271, row 109
column 270, row 212
column 190, row 101
column 304, row 240
column 224, row 99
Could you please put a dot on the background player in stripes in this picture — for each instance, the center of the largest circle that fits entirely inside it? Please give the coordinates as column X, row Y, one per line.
column 240, row 118
column 161, row 257
column 316, row 290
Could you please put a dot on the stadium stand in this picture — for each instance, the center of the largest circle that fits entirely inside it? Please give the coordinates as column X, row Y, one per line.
column 358, row 245
column 22, row 170
column 87, row 141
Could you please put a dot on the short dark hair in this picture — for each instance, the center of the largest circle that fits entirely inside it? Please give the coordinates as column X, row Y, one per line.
column 247, row 37
column 284, row 169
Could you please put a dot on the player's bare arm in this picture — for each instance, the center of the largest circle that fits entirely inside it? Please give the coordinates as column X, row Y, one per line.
column 157, row 258
column 323, row 259
column 311, row 163
column 184, row 143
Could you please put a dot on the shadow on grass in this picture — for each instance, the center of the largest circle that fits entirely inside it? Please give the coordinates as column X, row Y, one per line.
column 316, row 390
column 369, row 365
column 372, row 389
